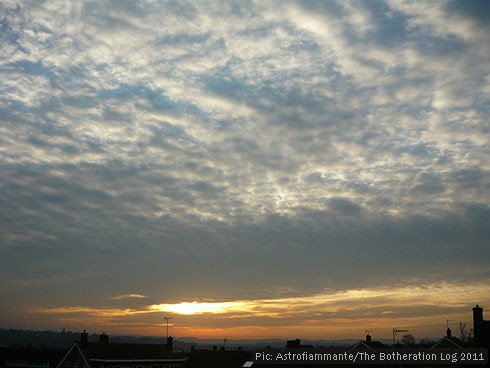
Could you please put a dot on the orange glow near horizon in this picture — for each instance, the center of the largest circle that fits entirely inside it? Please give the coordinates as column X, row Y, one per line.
column 422, row 309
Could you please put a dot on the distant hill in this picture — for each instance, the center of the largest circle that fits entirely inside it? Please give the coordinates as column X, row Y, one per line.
column 63, row 339
column 49, row 339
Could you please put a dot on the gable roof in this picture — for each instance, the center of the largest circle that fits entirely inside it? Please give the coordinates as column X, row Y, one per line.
column 68, row 353
column 114, row 352
column 361, row 345
column 448, row 342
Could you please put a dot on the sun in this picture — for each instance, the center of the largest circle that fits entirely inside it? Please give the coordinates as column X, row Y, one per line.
column 186, row 308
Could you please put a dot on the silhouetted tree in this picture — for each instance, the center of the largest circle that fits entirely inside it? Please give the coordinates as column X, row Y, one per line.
column 408, row 340
column 463, row 334
column 426, row 342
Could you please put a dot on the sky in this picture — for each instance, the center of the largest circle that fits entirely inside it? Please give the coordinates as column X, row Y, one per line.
column 250, row 169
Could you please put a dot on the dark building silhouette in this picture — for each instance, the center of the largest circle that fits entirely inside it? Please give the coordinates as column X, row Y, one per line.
column 481, row 328
column 296, row 344
column 84, row 337
column 367, row 345
column 293, row 343
column 449, row 342
column 219, row 359
column 104, row 338
column 103, row 354
column 29, row 357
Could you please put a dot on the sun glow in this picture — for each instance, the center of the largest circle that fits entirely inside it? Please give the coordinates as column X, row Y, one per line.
column 342, row 300
column 187, row 308
column 339, row 314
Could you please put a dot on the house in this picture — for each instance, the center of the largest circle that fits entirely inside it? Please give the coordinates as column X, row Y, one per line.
column 103, row 354
column 449, row 342
column 218, row 359
column 29, row 357
column 367, row 345
column 296, row 344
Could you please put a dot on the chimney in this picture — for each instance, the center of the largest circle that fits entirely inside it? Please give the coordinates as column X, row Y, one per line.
column 478, row 324
column 170, row 343
column 448, row 332
column 477, row 314
column 84, row 337
column 103, row 338
column 368, row 338
column 290, row 344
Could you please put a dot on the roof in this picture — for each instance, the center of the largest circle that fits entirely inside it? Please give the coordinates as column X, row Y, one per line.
column 107, row 353
column 115, row 351
column 218, row 358
column 365, row 345
column 30, row 357
column 448, row 342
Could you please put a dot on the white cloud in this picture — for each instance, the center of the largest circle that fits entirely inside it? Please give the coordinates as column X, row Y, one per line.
column 180, row 123
column 129, row 296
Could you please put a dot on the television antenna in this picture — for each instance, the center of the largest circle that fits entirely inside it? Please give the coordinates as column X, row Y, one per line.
column 395, row 331
column 167, row 318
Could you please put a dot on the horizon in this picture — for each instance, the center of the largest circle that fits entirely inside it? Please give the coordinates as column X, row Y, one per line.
column 248, row 169
column 229, row 342
column 417, row 330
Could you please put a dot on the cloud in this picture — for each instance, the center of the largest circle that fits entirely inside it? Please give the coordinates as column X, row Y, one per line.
column 296, row 146
column 344, row 206
column 126, row 296
column 331, row 311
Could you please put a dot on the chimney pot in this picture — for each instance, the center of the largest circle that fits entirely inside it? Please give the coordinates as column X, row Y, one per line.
column 104, row 338
column 84, row 337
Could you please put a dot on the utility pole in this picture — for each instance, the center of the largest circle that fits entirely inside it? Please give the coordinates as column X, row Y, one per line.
column 167, row 318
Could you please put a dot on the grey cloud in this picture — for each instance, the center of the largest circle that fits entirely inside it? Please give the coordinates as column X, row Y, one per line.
column 480, row 213
column 155, row 100
column 258, row 151
column 29, row 67
column 428, row 184
column 470, row 179
column 420, row 150
column 183, row 39
column 169, row 130
column 314, row 245
column 477, row 10
column 344, row 206
column 109, row 114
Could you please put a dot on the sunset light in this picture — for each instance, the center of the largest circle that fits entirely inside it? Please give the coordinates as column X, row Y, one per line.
column 186, row 308
column 326, row 313
column 244, row 169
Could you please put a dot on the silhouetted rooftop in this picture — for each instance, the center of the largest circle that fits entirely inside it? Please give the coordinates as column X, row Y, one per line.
column 218, row 358
column 124, row 351
column 30, row 357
